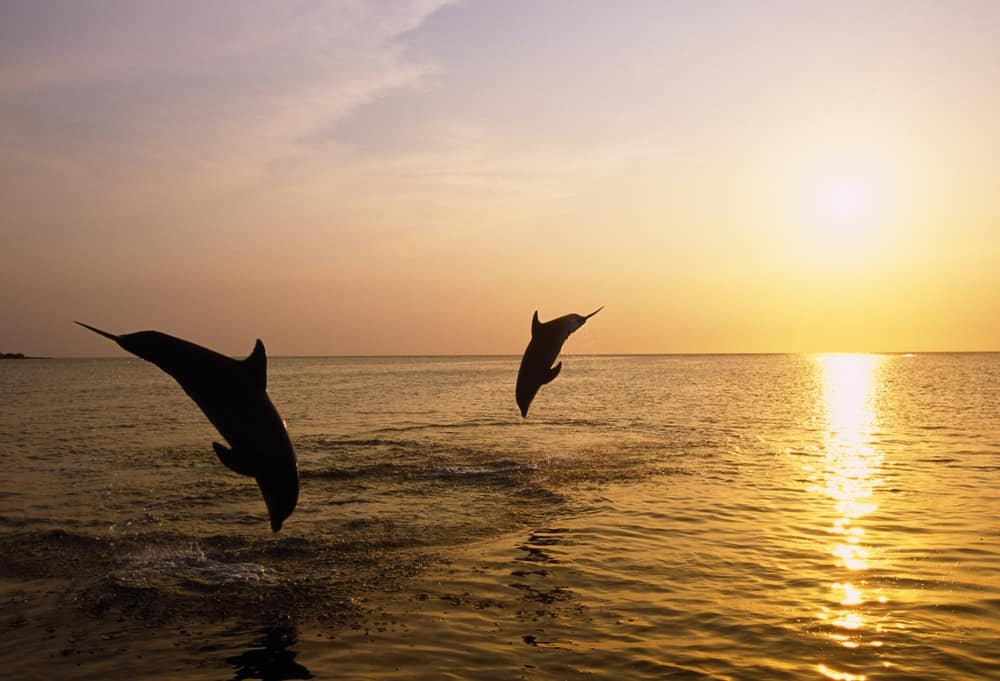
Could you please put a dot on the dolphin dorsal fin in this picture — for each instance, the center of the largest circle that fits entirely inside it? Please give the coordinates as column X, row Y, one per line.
column 535, row 324
column 256, row 364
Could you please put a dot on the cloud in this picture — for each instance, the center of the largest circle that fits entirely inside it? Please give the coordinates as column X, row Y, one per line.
column 137, row 90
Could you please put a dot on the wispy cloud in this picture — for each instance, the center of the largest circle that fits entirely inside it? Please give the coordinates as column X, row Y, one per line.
column 121, row 87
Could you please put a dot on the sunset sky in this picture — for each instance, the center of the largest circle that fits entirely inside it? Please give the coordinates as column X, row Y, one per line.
column 418, row 177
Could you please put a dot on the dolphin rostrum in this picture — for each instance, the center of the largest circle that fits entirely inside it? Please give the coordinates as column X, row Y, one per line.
column 546, row 341
column 233, row 395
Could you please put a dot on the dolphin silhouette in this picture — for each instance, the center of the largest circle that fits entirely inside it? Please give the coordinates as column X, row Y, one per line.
column 232, row 393
column 546, row 341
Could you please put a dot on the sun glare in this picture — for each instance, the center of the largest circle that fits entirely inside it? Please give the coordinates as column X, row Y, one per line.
column 845, row 202
column 844, row 209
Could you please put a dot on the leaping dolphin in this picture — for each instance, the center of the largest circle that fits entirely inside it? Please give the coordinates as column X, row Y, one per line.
column 233, row 395
column 546, row 341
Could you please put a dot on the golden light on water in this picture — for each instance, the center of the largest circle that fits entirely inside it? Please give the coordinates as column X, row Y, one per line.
column 851, row 595
column 839, row 676
column 850, row 477
column 852, row 463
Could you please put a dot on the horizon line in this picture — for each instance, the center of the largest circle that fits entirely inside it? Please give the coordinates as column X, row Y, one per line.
column 573, row 354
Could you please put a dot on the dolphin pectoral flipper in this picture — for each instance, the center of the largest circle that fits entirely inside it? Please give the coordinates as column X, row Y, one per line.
column 233, row 461
column 553, row 372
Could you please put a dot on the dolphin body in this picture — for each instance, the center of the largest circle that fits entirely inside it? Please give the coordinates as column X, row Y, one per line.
column 233, row 395
column 546, row 342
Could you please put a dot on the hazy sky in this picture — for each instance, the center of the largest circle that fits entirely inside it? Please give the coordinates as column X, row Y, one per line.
column 418, row 177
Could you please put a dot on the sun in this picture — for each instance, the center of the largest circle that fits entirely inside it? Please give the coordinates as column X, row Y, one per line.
column 844, row 209
column 845, row 201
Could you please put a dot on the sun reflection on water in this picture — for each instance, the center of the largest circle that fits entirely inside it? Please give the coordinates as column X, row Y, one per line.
column 850, row 477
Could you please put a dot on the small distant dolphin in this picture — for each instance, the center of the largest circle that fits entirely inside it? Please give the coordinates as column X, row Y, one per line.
column 546, row 341
column 233, row 395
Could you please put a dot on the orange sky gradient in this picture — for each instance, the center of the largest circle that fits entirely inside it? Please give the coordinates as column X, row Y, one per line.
column 418, row 177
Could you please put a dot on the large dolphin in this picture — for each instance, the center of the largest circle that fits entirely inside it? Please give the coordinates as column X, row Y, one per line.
column 546, row 341
column 233, row 395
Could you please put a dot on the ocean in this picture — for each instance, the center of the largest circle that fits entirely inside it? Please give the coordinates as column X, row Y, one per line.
column 654, row 517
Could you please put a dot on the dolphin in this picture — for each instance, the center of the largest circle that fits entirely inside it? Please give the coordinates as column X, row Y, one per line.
column 232, row 393
column 546, row 341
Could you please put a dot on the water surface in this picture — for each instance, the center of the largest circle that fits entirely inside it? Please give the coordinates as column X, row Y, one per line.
column 723, row 517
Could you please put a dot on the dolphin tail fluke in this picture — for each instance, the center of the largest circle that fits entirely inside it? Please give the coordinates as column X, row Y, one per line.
column 98, row 331
column 594, row 312
column 553, row 372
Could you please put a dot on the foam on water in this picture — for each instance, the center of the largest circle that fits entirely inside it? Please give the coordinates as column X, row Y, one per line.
column 189, row 563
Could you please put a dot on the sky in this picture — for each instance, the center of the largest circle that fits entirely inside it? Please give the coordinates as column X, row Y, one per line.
column 418, row 177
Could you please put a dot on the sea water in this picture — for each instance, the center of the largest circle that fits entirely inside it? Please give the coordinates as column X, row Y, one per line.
column 690, row 517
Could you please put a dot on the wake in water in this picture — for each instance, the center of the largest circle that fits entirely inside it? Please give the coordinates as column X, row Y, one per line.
column 392, row 508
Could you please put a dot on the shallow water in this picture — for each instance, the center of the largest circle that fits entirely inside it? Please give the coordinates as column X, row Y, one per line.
column 725, row 517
